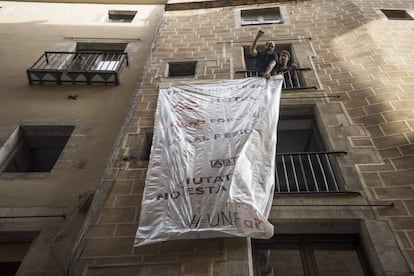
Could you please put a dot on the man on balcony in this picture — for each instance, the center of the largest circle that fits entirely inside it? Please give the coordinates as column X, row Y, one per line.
column 265, row 60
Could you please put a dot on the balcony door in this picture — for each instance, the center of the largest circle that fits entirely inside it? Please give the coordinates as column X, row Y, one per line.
column 302, row 163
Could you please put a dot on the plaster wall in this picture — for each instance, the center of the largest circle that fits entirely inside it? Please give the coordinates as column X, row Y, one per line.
column 48, row 202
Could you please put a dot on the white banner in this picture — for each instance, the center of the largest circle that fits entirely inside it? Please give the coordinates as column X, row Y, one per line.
column 211, row 171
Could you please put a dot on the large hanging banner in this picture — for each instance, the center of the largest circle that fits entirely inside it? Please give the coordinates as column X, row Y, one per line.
column 211, row 171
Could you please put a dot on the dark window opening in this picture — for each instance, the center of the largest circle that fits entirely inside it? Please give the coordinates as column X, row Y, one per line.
column 182, row 69
column 261, row 16
column 139, row 151
column 316, row 255
column 302, row 163
column 13, row 248
column 147, row 147
column 36, row 148
column 397, row 14
column 298, row 132
column 121, row 16
column 100, row 47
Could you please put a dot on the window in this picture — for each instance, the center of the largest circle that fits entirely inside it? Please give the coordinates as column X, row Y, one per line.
column 293, row 79
column 139, row 149
column 35, row 148
column 397, row 14
column 147, row 147
column 100, row 47
column 302, row 164
column 182, row 69
column 313, row 255
column 99, row 56
column 261, row 16
column 13, row 248
column 297, row 131
column 121, row 16
column 251, row 60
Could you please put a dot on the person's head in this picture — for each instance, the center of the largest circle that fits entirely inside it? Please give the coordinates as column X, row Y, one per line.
column 269, row 47
column 284, row 57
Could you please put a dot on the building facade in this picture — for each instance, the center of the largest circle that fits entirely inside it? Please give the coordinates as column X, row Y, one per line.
column 343, row 202
column 56, row 139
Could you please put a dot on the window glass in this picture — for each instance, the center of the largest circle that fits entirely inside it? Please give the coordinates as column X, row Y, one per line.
column 337, row 259
column 316, row 255
column 282, row 259
column 182, row 69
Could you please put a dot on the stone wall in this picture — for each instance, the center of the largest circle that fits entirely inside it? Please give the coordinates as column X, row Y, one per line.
column 364, row 68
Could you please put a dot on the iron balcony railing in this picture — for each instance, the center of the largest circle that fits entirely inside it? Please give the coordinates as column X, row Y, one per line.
column 306, row 172
column 292, row 78
column 78, row 67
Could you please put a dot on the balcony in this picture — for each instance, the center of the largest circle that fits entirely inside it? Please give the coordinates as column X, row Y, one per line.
column 78, row 68
column 293, row 78
column 306, row 172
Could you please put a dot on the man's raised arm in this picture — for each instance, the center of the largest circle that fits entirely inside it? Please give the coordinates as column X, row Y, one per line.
column 253, row 50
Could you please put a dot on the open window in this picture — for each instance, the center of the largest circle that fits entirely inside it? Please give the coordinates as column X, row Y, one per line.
column 139, row 149
column 121, row 16
column 397, row 14
column 34, row 148
column 302, row 163
column 316, row 255
column 13, row 248
column 298, row 75
column 182, row 69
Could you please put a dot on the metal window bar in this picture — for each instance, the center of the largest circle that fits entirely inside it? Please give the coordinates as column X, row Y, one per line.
column 313, row 172
column 302, row 169
column 316, row 174
column 286, row 173
column 291, row 77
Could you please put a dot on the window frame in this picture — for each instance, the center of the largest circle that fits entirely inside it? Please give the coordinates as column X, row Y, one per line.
column 306, row 248
column 192, row 64
column 121, row 16
column 256, row 12
column 310, row 168
column 19, row 143
column 391, row 14
column 20, row 240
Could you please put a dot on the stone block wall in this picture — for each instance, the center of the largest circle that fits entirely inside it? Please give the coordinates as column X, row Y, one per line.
column 365, row 70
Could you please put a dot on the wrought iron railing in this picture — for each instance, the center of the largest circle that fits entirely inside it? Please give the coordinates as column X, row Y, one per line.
column 78, row 67
column 306, row 172
column 292, row 78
